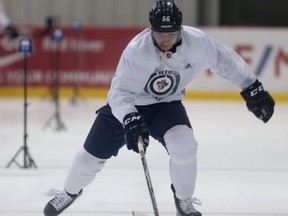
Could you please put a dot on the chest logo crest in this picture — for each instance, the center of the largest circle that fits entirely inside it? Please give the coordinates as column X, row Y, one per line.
column 162, row 84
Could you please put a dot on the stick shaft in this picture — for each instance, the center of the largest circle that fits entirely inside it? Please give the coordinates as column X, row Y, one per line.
column 147, row 176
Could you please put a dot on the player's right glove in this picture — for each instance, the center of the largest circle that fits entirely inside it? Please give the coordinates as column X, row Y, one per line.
column 259, row 101
column 134, row 127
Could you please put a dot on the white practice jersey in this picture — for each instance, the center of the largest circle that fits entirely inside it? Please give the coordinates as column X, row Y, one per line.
column 145, row 75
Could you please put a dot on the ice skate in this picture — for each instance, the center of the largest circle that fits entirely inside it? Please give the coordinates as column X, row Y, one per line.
column 185, row 207
column 59, row 203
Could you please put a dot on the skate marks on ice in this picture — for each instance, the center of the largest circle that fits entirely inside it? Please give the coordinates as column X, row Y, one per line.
column 126, row 213
column 242, row 163
column 137, row 213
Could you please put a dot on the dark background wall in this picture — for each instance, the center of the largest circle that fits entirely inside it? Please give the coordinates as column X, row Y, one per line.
column 253, row 12
column 135, row 12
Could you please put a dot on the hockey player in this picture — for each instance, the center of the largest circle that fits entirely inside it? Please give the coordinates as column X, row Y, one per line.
column 145, row 100
column 5, row 25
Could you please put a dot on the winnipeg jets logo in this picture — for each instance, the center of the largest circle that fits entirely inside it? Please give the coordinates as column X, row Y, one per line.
column 162, row 84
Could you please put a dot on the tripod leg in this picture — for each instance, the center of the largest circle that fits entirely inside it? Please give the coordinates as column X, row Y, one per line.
column 48, row 123
column 60, row 124
column 29, row 162
column 14, row 159
column 76, row 95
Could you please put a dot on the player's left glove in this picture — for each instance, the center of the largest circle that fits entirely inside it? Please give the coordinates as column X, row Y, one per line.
column 259, row 101
column 134, row 127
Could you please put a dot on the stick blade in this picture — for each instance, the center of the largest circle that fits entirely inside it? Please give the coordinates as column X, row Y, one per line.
column 137, row 213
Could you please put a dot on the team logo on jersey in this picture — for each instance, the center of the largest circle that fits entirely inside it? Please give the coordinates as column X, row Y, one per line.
column 162, row 84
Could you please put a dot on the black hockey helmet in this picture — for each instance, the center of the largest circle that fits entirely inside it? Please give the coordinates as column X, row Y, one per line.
column 165, row 16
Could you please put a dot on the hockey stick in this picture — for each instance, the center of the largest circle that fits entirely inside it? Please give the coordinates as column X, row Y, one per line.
column 147, row 176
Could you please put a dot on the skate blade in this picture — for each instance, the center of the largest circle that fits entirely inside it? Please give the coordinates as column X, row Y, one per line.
column 137, row 213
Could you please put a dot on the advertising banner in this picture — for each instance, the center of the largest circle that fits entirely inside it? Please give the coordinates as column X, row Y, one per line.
column 264, row 49
column 89, row 56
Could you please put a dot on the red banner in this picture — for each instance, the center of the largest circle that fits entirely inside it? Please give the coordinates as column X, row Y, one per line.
column 87, row 56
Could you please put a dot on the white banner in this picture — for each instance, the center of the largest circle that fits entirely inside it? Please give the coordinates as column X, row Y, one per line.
column 264, row 49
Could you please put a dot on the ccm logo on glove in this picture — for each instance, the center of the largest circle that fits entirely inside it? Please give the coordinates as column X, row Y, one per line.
column 132, row 118
column 256, row 91
column 259, row 101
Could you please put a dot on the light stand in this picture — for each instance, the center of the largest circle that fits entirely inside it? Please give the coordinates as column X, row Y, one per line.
column 75, row 88
column 51, row 23
column 28, row 162
column 59, row 125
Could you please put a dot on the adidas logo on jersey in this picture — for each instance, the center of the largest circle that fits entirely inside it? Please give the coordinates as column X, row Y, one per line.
column 188, row 66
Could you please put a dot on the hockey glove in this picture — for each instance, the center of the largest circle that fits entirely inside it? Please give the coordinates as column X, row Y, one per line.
column 259, row 101
column 11, row 31
column 134, row 127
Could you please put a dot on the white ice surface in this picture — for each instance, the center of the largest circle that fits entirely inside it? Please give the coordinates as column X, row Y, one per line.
column 243, row 163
